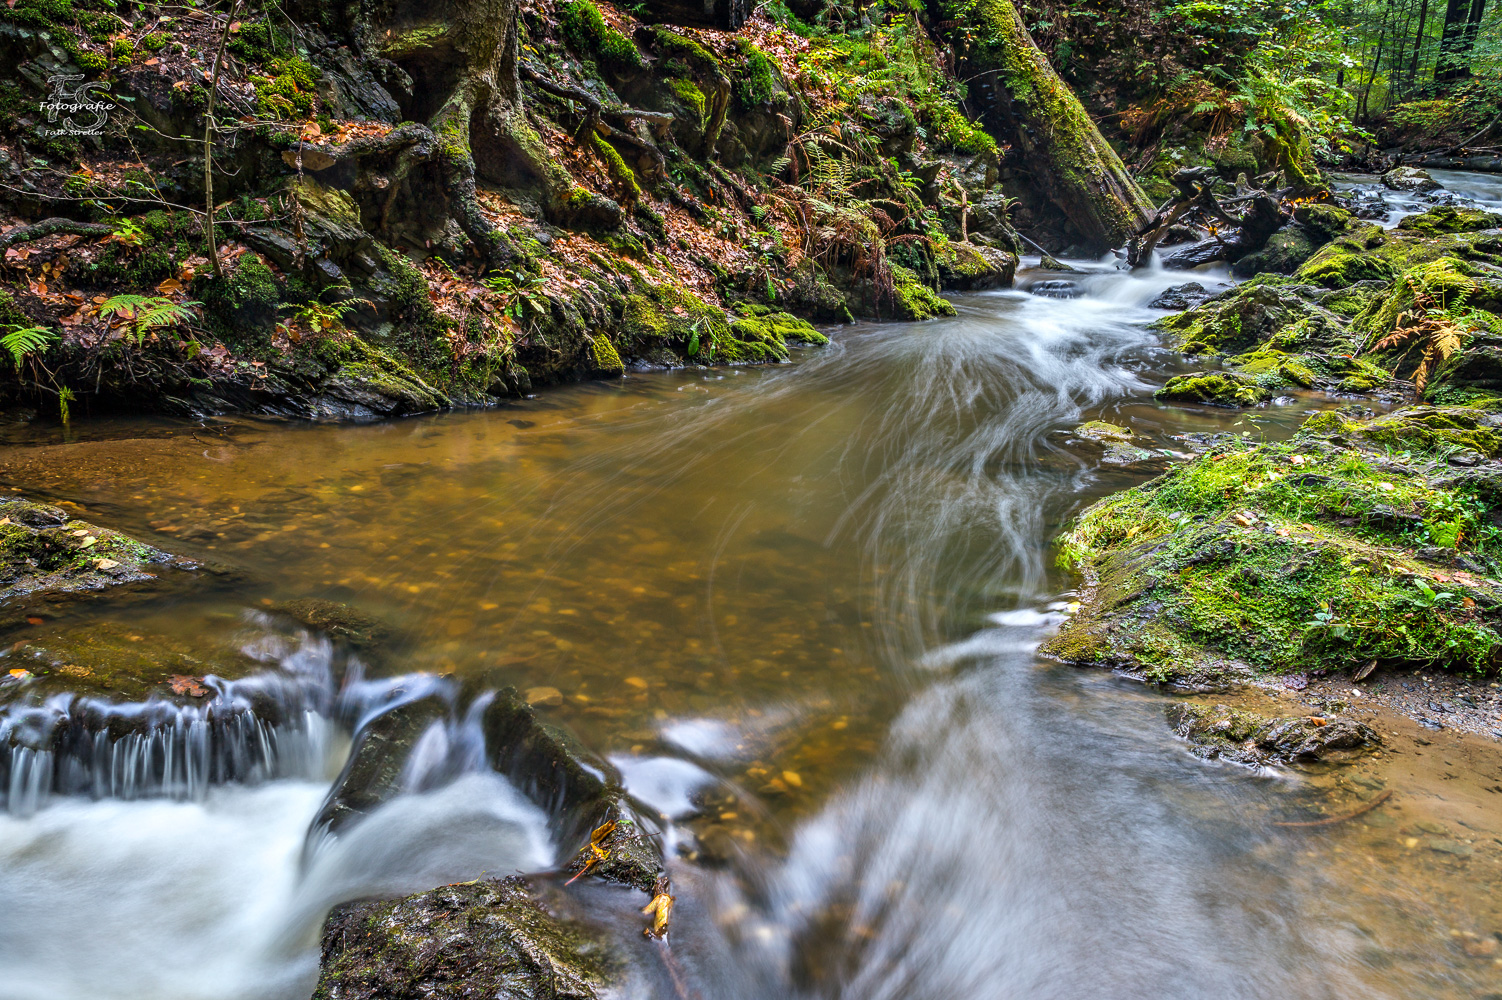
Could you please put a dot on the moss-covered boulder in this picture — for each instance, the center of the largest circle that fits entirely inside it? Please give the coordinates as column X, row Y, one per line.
column 768, row 325
column 1221, row 732
column 912, row 298
column 972, row 267
column 1225, row 388
column 1252, row 314
column 1118, row 442
column 43, row 550
column 1451, row 219
column 1359, row 540
column 490, row 938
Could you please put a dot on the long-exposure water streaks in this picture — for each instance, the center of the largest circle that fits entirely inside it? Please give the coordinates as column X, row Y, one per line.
column 798, row 609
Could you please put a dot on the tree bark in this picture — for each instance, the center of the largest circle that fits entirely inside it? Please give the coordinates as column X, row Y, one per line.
column 1462, row 23
column 1052, row 139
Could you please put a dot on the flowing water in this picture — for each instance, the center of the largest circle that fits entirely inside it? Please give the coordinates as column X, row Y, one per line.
column 1467, row 188
column 798, row 609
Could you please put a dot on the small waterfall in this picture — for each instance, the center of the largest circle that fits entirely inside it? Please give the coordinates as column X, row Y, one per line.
column 273, row 724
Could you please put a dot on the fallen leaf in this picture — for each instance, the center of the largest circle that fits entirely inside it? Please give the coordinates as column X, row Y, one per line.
column 660, row 910
column 20, row 674
column 34, row 620
column 106, row 563
column 88, row 542
column 183, row 684
column 792, row 778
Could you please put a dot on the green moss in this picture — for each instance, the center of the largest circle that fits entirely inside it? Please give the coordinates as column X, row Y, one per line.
column 603, row 353
column 950, row 129
column 757, row 81
column 1213, row 389
column 676, row 46
column 587, row 33
column 616, row 167
column 689, row 93
column 1291, row 556
column 1449, row 219
column 1443, row 284
column 291, row 93
column 913, row 299
column 776, row 328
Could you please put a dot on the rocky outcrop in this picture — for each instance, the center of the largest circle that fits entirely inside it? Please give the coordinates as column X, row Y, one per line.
column 1309, row 554
column 1224, row 733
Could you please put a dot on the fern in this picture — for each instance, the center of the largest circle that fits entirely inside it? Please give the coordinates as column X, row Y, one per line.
column 146, row 313
column 22, row 341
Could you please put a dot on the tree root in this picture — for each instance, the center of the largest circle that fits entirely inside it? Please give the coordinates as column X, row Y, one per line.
column 51, row 227
column 1333, row 820
column 1251, row 230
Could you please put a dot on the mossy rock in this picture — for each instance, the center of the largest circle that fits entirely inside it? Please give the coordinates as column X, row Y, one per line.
column 43, row 550
column 606, row 361
column 1310, row 554
column 1283, row 253
column 487, row 938
column 1250, row 315
column 1450, row 219
column 912, row 299
column 1214, row 389
column 1118, row 442
column 1221, row 732
column 770, row 326
column 971, row 267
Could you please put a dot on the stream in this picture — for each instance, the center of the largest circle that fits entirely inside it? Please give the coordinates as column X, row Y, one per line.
column 798, row 607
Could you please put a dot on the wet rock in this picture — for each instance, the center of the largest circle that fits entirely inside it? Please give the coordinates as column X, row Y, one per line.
column 579, row 791
column 43, row 551
column 1218, row 731
column 1181, row 297
column 489, row 939
column 338, row 620
column 1117, row 441
column 1413, row 179
column 373, row 775
column 1056, row 288
column 1228, row 389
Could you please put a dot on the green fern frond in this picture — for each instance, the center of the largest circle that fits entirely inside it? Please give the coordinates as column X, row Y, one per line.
column 21, row 341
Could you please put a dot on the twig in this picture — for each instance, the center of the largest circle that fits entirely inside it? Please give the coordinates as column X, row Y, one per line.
column 1331, row 821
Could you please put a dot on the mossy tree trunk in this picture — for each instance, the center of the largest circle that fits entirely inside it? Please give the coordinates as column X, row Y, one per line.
column 1053, row 141
column 461, row 59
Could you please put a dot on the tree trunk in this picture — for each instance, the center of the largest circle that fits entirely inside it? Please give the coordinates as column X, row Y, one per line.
column 461, row 58
column 1418, row 43
column 1462, row 22
column 1052, row 139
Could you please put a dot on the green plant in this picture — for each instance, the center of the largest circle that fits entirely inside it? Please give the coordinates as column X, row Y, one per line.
column 23, row 341
column 147, row 313
column 521, row 295
column 316, row 318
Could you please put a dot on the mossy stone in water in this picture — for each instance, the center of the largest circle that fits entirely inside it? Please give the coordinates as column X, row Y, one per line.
column 490, row 938
column 1298, row 555
column 43, row 550
column 1219, row 731
column 1213, row 389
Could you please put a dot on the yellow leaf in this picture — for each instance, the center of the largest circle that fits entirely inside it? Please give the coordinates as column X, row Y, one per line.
column 660, row 910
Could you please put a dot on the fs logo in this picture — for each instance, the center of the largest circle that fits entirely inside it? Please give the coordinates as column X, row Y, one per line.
column 69, row 97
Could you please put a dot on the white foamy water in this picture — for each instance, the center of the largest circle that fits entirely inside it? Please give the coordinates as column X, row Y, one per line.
column 174, row 900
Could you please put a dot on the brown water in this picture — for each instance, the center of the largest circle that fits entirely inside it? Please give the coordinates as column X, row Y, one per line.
column 807, row 598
